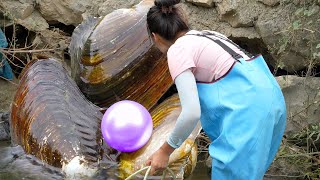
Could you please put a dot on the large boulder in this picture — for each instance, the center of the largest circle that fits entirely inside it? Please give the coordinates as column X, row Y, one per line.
column 73, row 12
column 270, row 2
column 68, row 12
column 239, row 13
column 291, row 33
column 201, row 18
column 302, row 95
column 110, row 5
column 16, row 9
column 204, row 3
column 34, row 22
column 22, row 12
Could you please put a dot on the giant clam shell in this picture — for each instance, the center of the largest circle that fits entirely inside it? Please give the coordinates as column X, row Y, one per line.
column 182, row 161
column 114, row 58
column 52, row 120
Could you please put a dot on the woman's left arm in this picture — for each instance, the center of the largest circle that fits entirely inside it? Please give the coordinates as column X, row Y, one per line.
column 186, row 122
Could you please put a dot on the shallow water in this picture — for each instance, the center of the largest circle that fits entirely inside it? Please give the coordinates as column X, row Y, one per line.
column 15, row 164
column 201, row 172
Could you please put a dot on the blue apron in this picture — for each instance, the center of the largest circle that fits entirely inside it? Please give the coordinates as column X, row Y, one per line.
column 244, row 115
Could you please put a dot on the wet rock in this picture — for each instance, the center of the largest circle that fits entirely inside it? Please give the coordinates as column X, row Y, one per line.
column 17, row 9
column 302, row 95
column 4, row 126
column 270, row 2
column 204, row 3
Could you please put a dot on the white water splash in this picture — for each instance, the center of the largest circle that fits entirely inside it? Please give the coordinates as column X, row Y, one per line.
column 77, row 169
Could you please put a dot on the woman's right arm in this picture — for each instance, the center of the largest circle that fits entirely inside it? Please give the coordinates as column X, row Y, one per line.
column 190, row 114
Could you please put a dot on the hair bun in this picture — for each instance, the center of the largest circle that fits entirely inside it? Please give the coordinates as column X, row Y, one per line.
column 167, row 3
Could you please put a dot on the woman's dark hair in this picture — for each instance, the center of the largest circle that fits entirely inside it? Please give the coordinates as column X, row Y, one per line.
column 165, row 19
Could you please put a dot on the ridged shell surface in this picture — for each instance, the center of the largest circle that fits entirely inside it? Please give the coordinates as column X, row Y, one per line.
column 52, row 120
column 113, row 58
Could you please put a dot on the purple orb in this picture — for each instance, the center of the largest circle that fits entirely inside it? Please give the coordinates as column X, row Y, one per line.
column 126, row 126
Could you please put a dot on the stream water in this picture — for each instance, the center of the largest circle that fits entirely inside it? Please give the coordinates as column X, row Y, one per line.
column 16, row 165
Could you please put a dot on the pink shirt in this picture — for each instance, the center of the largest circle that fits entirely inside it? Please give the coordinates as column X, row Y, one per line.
column 207, row 60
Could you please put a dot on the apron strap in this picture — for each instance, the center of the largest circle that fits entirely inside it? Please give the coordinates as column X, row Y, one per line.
column 235, row 55
column 226, row 39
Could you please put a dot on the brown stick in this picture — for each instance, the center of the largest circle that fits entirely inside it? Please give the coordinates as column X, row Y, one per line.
column 25, row 51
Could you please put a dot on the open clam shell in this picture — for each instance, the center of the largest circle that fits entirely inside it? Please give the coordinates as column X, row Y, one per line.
column 113, row 58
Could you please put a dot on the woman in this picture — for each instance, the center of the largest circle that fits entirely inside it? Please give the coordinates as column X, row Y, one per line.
column 238, row 101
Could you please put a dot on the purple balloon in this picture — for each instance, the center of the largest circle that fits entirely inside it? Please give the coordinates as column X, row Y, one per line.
column 126, row 126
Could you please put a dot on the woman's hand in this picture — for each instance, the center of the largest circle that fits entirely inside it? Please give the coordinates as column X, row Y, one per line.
column 160, row 159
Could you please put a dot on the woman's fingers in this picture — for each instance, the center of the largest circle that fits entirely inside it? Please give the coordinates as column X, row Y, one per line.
column 148, row 163
column 158, row 161
column 156, row 167
column 152, row 170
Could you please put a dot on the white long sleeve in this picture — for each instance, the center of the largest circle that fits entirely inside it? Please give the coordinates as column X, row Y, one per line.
column 190, row 114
